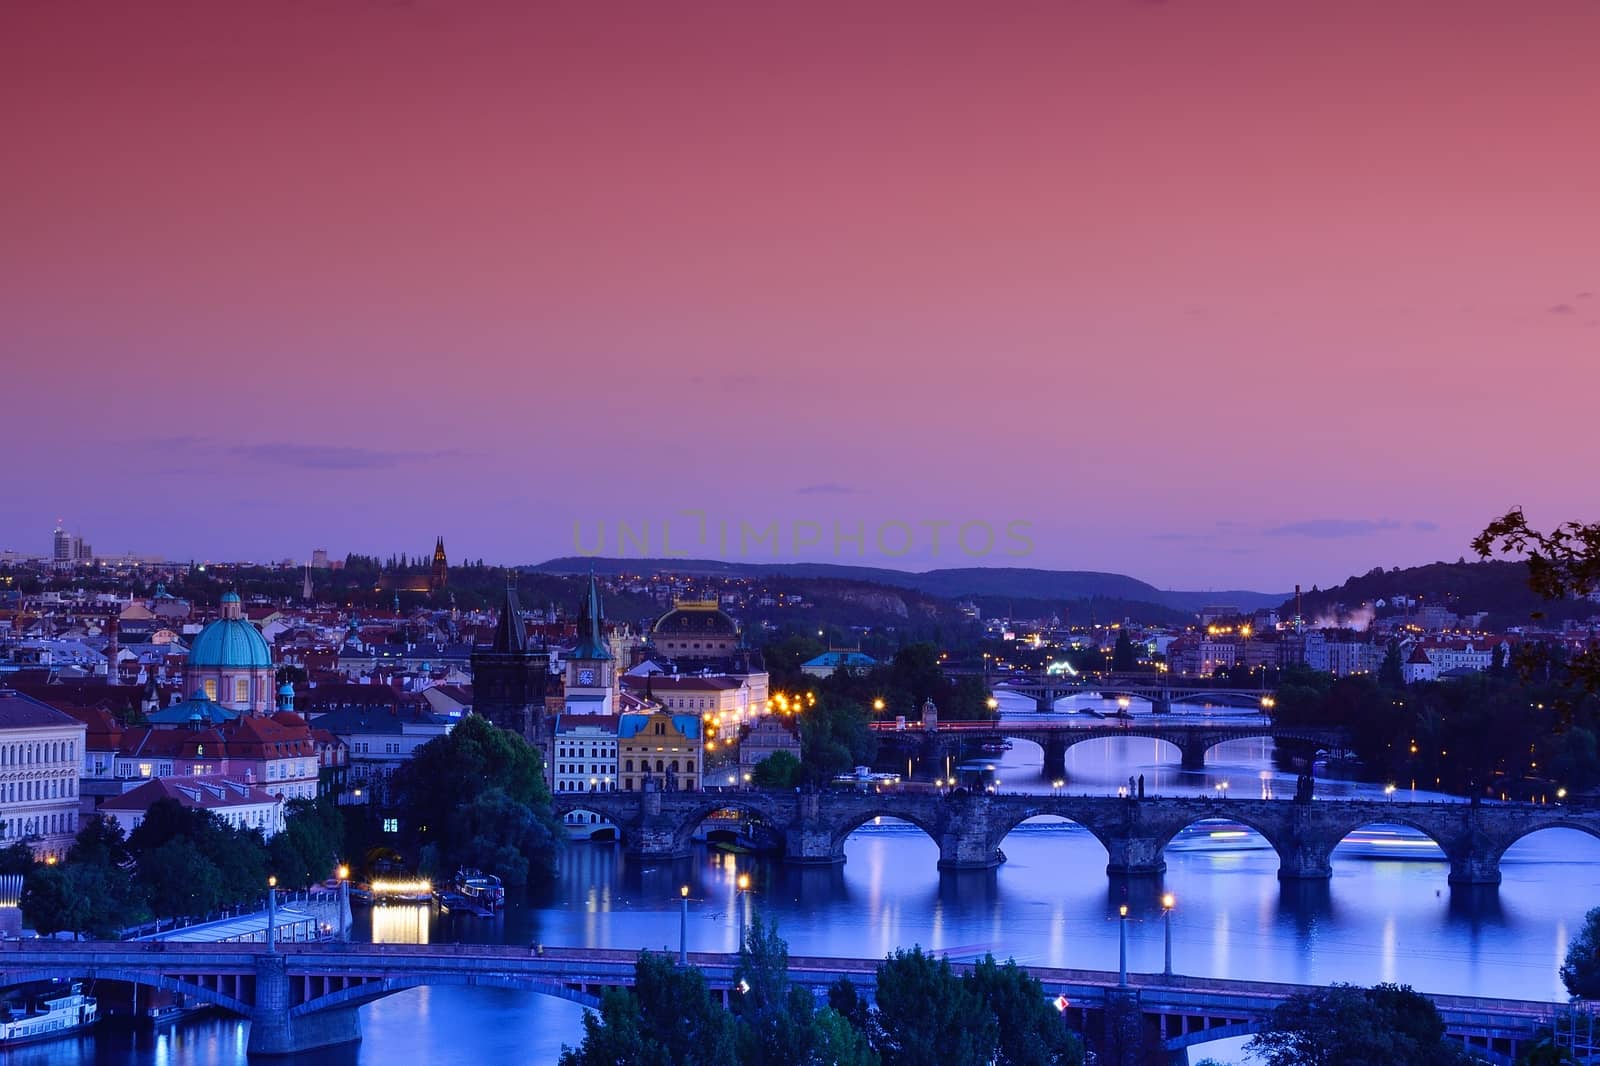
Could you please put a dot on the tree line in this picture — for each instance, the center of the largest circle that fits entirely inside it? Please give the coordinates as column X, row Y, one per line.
column 178, row 862
column 924, row 1013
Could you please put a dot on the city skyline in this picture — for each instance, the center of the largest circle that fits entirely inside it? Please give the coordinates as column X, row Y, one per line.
column 1210, row 295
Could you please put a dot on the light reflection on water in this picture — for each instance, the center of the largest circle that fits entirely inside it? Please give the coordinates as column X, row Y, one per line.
column 1379, row 918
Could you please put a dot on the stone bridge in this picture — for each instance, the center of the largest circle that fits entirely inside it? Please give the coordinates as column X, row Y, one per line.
column 1192, row 739
column 1162, row 690
column 305, row 996
column 969, row 827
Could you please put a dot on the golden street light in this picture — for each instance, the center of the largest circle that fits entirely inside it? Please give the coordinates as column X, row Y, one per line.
column 1168, row 901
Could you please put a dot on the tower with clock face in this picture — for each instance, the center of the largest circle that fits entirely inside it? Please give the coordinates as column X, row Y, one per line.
column 591, row 668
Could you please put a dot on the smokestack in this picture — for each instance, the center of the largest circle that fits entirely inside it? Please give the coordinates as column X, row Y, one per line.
column 1298, row 613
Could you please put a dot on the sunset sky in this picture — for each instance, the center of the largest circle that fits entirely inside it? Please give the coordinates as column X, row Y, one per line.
column 1217, row 294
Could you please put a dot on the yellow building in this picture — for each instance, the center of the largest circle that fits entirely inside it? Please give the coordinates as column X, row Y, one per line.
column 660, row 747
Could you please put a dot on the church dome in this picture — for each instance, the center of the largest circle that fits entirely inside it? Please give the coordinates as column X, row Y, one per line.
column 230, row 641
column 696, row 619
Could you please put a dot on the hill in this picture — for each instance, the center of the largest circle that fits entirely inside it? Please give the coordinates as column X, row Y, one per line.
column 1498, row 587
column 977, row 583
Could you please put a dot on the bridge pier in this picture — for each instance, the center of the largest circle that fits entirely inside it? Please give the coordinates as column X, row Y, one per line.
column 1475, row 868
column 1136, row 856
column 1045, row 702
column 1194, row 751
column 275, row 1031
column 1161, row 704
column 968, row 845
column 1055, row 758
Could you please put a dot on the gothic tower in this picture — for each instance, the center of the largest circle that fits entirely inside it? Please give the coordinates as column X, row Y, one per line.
column 591, row 679
column 440, row 575
column 509, row 676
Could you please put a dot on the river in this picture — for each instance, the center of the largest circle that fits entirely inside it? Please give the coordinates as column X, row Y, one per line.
column 1386, row 915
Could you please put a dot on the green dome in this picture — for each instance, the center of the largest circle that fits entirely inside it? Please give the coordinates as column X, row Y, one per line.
column 230, row 642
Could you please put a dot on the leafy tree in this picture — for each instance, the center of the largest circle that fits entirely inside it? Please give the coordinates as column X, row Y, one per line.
column 1032, row 1032
column 668, row 1018
column 779, row 1023
column 778, row 770
column 1580, row 972
column 1544, row 1052
column 1347, row 1026
column 308, row 848
column 477, row 797
column 179, row 880
column 1562, row 564
column 928, row 1014
column 51, row 902
column 1124, row 658
column 1391, row 672
column 850, row 1004
column 17, row 859
column 101, row 842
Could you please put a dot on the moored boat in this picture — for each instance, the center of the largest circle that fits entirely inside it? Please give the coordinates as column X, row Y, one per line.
column 61, row 1011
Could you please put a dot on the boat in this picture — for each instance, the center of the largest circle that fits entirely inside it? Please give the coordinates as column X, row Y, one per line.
column 49, row 1015
column 397, row 891
column 483, row 889
column 455, row 903
column 171, row 1012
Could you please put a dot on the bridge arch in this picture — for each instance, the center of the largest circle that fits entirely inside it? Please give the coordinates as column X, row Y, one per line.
column 857, row 819
column 1002, row 828
column 1262, row 827
column 146, row 978
column 746, row 803
column 357, row 995
column 1515, row 836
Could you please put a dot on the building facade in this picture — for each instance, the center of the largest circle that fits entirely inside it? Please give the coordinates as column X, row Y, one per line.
column 662, row 748
column 41, row 752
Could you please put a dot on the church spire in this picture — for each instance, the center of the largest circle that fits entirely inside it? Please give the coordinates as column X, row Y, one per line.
column 509, row 636
column 591, row 643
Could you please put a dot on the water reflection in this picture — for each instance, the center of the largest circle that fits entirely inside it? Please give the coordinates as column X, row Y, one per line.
column 1384, row 915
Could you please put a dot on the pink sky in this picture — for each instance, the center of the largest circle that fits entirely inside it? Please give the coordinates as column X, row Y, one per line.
column 1217, row 294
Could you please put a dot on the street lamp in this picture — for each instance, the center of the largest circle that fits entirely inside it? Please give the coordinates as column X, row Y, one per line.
column 878, row 705
column 744, row 906
column 1388, row 790
column 1122, row 944
column 683, row 926
column 272, row 914
column 1168, row 901
column 343, row 873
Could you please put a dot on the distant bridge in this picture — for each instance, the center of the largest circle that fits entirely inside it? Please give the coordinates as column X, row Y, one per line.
column 1192, row 739
column 969, row 827
column 1161, row 690
column 305, row 996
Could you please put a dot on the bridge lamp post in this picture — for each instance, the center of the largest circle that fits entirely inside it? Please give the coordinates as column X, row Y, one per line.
column 744, row 905
column 343, row 873
column 272, row 914
column 1388, row 790
column 683, row 926
column 878, row 705
column 1168, row 901
column 1122, row 945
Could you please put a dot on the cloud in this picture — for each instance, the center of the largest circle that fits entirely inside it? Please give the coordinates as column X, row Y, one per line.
column 1334, row 528
column 335, row 456
column 1425, row 527
column 827, row 488
column 1561, row 309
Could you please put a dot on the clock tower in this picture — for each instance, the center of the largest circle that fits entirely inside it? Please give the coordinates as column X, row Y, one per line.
column 591, row 680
